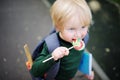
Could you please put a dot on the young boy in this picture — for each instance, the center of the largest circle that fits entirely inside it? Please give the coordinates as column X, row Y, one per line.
column 71, row 19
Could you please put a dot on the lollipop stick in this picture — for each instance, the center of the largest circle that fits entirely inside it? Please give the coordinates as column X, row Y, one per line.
column 48, row 59
column 70, row 47
column 53, row 57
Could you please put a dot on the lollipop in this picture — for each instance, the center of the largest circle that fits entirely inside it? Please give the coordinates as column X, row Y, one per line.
column 77, row 44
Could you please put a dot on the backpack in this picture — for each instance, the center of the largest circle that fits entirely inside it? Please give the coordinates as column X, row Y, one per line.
column 52, row 37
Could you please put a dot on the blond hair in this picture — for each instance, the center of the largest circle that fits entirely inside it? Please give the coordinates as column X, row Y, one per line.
column 63, row 10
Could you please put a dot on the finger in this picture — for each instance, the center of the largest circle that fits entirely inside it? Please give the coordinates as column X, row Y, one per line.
column 59, row 54
column 63, row 51
column 66, row 52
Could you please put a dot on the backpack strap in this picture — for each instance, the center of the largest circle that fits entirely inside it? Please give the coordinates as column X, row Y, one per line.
column 39, row 47
column 52, row 43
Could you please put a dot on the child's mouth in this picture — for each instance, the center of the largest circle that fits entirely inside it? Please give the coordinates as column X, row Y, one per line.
column 74, row 39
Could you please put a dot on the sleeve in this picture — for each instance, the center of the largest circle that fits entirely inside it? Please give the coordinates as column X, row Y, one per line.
column 39, row 68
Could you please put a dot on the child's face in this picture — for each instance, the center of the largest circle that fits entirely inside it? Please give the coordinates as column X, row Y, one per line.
column 73, row 29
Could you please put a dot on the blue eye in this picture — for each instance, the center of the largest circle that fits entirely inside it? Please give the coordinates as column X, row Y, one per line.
column 83, row 26
column 72, row 29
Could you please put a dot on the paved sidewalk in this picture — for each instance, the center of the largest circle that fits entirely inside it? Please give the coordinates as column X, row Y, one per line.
column 28, row 21
column 21, row 21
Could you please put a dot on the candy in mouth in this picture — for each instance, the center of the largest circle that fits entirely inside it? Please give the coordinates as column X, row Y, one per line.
column 78, row 44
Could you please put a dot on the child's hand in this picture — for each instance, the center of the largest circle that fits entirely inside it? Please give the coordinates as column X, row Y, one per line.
column 90, row 77
column 60, row 52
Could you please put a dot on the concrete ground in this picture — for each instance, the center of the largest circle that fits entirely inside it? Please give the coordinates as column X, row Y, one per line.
column 23, row 21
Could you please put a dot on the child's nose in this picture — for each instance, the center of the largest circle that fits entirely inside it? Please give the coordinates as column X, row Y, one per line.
column 77, row 34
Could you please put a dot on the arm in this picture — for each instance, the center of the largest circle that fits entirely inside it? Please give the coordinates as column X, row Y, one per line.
column 39, row 68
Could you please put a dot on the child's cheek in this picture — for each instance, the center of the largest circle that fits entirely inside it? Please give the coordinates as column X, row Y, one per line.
column 84, row 34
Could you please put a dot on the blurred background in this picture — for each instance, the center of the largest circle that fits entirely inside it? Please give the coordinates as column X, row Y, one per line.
column 28, row 21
